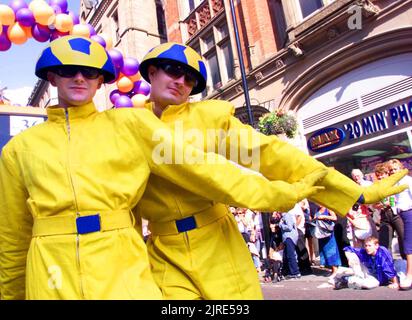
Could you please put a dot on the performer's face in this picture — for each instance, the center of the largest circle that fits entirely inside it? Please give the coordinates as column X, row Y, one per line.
column 75, row 88
column 170, row 85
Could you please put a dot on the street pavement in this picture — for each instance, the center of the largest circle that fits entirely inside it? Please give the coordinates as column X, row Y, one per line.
column 316, row 287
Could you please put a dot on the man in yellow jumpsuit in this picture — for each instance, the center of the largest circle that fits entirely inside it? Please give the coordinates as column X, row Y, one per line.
column 208, row 259
column 68, row 187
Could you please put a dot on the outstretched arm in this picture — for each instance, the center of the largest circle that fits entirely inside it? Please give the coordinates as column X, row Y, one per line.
column 213, row 176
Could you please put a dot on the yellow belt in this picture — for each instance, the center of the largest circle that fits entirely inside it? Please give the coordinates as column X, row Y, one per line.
column 199, row 219
column 69, row 224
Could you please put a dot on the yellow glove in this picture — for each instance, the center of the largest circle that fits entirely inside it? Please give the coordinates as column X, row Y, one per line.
column 384, row 188
column 307, row 186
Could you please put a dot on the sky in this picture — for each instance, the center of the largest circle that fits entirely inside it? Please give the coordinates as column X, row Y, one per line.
column 17, row 64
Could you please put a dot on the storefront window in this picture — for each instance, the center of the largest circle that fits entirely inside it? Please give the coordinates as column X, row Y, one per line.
column 366, row 156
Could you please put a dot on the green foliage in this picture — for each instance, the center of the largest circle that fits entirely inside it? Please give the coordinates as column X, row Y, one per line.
column 278, row 122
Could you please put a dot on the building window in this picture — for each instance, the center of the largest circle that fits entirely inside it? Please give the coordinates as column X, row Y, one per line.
column 307, row 7
column 161, row 21
column 116, row 24
column 215, row 48
column 189, row 5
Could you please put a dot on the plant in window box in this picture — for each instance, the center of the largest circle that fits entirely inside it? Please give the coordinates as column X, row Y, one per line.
column 277, row 123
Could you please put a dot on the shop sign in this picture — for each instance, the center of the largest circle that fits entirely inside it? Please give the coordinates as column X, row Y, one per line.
column 362, row 127
column 326, row 139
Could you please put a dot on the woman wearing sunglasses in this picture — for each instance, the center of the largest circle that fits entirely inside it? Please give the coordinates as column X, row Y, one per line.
column 208, row 258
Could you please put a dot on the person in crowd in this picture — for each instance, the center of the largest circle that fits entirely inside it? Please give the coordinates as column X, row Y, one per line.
column 176, row 72
column 309, row 229
column 68, row 187
column 360, row 217
column 301, row 250
column 290, row 236
column 273, row 271
column 254, row 251
column 403, row 201
column 242, row 224
column 371, row 266
column 328, row 249
column 390, row 220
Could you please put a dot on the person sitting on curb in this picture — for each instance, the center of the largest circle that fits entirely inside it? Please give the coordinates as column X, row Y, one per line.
column 370, row 267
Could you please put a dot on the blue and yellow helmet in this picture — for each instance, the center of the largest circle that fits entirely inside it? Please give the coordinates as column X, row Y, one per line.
column 75, row 51
column 179, row 53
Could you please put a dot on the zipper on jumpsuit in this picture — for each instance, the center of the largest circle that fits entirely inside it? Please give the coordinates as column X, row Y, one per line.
column 75, row 203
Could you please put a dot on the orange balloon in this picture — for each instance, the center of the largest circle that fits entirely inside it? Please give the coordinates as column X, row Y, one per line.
column 64, row 22
column 43, row 14
column 7, row 16
column 139, row 100
column 27, row 30
column 135, row 77
column 81, row 30
column 125, row 84
column 16, row 34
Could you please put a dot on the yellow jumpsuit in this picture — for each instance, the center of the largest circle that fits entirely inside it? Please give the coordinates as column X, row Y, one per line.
column 83, row 164
column 213, row 262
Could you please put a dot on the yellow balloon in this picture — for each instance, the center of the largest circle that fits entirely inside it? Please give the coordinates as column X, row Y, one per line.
column 139, row 100
column 81, row 30
column 16, row 34
column 7, row 17
column 64, row 22
column 108, row 39
column 43, row 14
column 125, row 84
column 36, row 3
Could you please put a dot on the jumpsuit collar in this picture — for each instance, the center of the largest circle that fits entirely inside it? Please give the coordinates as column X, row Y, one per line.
column 169, row 111
column 57, row 114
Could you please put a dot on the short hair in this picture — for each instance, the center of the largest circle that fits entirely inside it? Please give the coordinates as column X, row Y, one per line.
column 356, row 172
column 381, row 168
column 372, row 239
column 395, row 162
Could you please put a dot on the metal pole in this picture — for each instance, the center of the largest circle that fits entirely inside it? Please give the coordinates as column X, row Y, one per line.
column 242, row 65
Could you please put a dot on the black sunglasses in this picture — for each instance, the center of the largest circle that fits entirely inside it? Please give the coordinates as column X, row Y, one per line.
column 71, row 71
column 176, row 71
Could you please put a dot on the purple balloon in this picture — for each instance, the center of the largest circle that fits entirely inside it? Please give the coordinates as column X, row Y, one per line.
column 16, row 5
column 114, row 95
column 123, row 102
column 99, row 39
column 56, row 9
column 130, row 66
column 55, row 34
column 40, row 33
column 142, row 87
column 62, row 4
column 75, row 17
column 92, row 30
column 25, row 17
column 5, row 43
column 117, row 58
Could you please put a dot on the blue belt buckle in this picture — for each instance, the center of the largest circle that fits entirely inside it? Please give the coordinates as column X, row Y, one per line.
column 186, row 224
column 88, row 224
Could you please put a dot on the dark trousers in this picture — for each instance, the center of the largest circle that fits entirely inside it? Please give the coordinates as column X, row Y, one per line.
column 303, row 254
column 290, row 255
column 389, row 223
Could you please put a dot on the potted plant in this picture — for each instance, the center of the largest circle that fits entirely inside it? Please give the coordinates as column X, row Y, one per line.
column 278, row 123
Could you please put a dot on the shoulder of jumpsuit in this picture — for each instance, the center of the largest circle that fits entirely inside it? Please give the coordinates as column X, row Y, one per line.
column 214, row 110
column 137, row 122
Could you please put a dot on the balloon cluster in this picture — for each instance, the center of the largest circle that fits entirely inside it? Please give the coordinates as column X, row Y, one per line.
column 47, row 21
